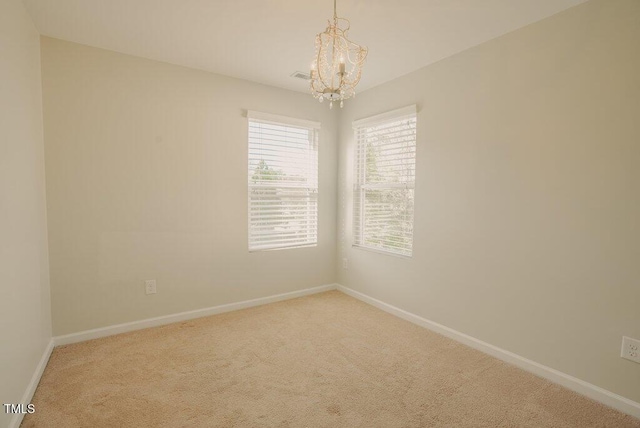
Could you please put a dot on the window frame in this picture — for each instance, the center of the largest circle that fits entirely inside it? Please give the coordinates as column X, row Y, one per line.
column 360, row 184
column 313, row 190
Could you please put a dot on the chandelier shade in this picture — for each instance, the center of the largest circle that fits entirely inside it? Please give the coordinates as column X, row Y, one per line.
column 337, row 65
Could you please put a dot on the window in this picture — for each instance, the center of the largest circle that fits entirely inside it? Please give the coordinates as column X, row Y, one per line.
column 385, row 181
column 283, row 182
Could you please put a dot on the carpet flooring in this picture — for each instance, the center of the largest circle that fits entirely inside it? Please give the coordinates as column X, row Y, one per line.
column 326, row 360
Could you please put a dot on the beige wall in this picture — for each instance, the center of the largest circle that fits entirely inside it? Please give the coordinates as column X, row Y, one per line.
column 25, row 314
column 527, row 214
column 147, row 179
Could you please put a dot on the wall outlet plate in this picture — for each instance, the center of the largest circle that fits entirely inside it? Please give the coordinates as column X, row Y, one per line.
column 150, row 286
column 345, row 263
column 630, row 349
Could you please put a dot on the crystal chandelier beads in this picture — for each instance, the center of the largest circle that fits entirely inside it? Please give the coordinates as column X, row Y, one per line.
column 337, row 65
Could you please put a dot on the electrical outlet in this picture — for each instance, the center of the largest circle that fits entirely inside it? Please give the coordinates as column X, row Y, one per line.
column 150, row 286
column 630, row 349
column 345, row 263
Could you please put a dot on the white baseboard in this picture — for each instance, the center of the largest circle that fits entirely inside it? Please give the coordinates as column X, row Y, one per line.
column 184, row 316
column 594, row 392
column 33, row 384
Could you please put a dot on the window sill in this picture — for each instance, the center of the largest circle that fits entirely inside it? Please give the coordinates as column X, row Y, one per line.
column 260, row 250
column 386, row 253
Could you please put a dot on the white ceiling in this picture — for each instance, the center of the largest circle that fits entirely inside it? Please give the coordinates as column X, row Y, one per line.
column 267, row 40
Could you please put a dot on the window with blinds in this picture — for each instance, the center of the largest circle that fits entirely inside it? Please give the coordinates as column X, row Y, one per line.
column 283, row 182
column 384, row 181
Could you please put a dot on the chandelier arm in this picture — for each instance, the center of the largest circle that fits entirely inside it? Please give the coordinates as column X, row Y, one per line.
column 334, row 36
column 319, row 63
column 360, row 56
column 347, row 27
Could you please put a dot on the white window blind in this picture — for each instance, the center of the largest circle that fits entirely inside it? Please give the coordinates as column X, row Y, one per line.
column 385, row 181
column 283, row 182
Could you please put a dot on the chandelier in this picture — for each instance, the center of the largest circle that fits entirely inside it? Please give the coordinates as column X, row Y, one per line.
column 337, row 65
